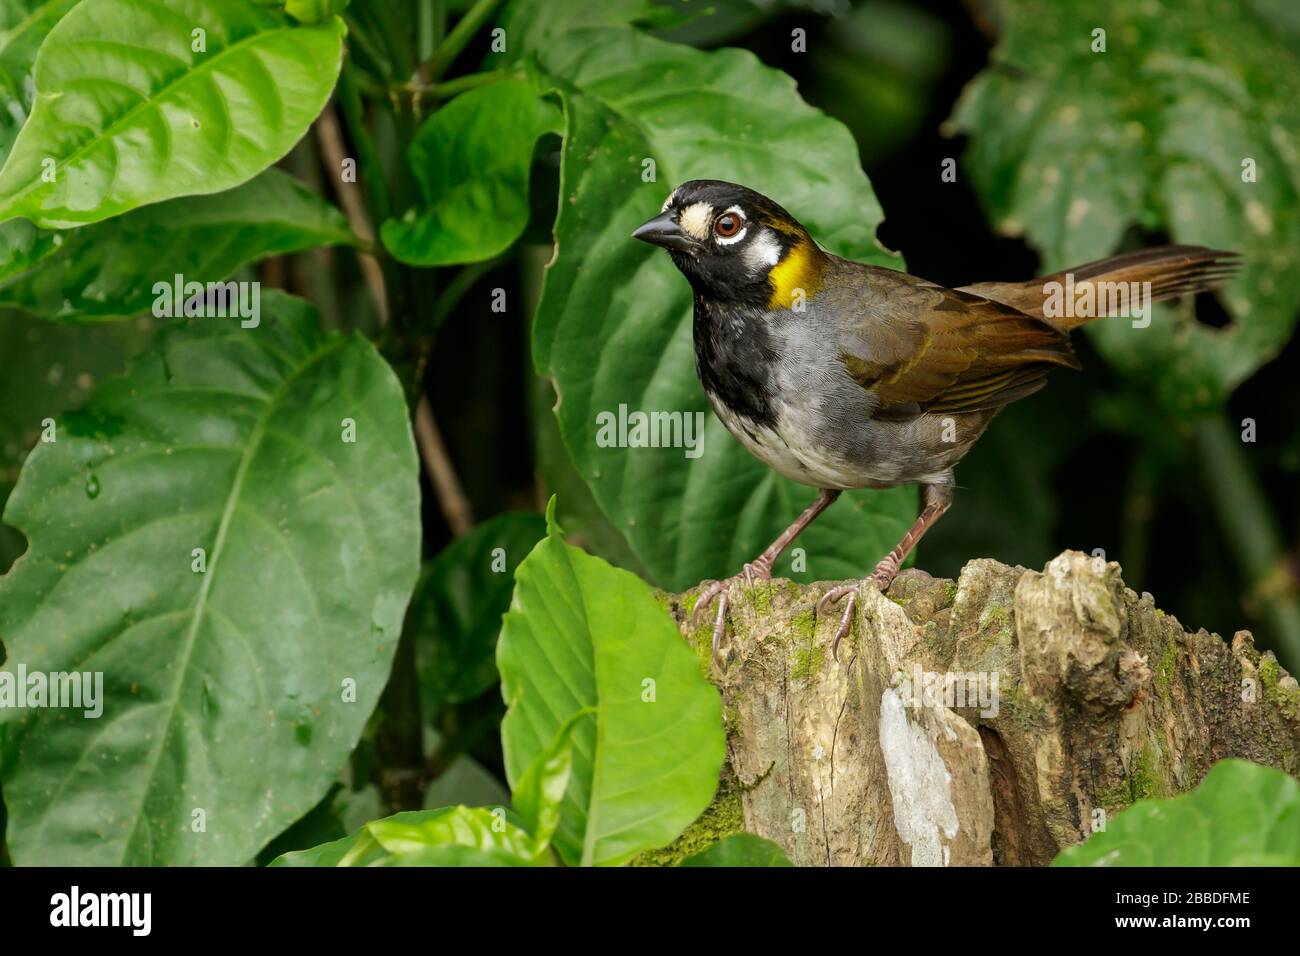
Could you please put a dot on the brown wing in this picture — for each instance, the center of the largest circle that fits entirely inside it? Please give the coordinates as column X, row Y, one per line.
column 926, row 348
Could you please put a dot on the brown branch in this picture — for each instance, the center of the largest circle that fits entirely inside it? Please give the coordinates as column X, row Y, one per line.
column 330, row 138
column 451, row 497
column 452, row 501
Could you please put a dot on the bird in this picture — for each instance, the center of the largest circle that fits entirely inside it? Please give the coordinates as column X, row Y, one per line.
column 841, row 375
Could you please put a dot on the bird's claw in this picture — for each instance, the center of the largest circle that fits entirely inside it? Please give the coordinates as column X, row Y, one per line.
column 882, row 578
column 718, row 590
column 846, row 619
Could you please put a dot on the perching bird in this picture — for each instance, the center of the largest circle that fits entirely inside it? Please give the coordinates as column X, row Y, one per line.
column 842, row 375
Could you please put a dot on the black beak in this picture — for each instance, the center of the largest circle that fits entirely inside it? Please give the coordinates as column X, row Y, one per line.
column 663, row 230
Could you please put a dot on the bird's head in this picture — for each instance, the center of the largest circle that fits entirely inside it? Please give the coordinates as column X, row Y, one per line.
column 736, row 246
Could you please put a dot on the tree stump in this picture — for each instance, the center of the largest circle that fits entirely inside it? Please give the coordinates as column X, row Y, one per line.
column 991, row 721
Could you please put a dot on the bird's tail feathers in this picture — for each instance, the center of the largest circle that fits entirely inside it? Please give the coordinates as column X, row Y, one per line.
column 1126, row 284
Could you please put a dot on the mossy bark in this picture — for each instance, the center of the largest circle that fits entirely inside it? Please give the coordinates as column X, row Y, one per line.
column 993, row 721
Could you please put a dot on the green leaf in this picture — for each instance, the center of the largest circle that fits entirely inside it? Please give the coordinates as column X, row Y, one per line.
column 229, row 690
column 127, row 113
column 1072, row 148
column 740, row 849
column 108, row 270
column 471, row 161
column 315, row 11
column 24, row 25
column 466, row 781
column 581, row 634
column 1242, row 814
column 426, row 838
column 614, row 324
column 475, row 827
column 46, row 369
column 452, row 854
column 457, row 607
column 540, row 790
column 332, row 853
column 532, row 25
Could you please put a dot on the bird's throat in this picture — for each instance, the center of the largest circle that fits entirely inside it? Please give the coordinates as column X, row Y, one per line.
column 797, row 277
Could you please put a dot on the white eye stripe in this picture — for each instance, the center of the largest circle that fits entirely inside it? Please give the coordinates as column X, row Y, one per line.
column 668, row 202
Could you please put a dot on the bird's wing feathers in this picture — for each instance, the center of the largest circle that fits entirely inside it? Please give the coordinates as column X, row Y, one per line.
column 923, row 347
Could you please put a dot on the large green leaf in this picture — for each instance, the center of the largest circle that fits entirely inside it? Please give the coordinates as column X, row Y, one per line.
column 614, row 324
column 1073, row 147
column 46, row 369
column 1242, row 814
column 229, row 690
column 471, row 161
column 457, row 607
column 128, row 113
column 741, row 849
column 582, row 634
column 23, row 27
column 450, row 836
column 25, row 24
column 108, row 270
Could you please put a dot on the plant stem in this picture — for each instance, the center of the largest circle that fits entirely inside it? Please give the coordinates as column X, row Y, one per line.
column 425, row 39
column 1252, row 534
column 460, row 35
column 442, row 474
column 373, row 181
column 451, row 496
column 445, row 91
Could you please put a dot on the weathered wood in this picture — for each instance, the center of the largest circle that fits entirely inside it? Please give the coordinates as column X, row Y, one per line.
column 1100, row 699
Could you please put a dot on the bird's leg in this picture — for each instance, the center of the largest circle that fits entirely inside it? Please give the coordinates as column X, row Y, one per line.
column 937, row 499
column 760, row 567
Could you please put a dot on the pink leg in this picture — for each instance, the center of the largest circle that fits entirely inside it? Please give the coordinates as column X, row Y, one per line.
column 760, row 567
column 938, row 499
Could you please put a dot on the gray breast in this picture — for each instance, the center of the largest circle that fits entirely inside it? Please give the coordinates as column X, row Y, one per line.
column 823, row 430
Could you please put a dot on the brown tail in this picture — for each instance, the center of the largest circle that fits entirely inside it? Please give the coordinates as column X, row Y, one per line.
column 1172, row 271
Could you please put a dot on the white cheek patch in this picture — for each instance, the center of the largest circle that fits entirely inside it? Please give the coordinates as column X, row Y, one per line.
column 763, row 253
column 696, row 219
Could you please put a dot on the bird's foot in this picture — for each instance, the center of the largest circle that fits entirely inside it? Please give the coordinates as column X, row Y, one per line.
column 757, row 570
column 830, row 597
column 882, row 577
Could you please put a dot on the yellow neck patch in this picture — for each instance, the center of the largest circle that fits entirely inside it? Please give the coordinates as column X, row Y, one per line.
column 797, row 277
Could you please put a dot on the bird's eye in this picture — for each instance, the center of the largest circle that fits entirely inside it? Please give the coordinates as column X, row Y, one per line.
column 727, row 225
